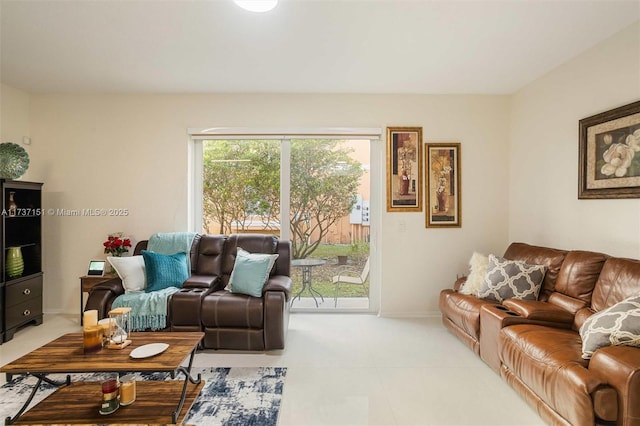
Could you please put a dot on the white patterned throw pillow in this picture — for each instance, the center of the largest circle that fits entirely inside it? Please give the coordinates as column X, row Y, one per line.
column 507, row 279
column 618, row 325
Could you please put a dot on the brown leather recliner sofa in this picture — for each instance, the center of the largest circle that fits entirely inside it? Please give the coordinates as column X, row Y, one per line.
column 229, row 320
column 535, row 345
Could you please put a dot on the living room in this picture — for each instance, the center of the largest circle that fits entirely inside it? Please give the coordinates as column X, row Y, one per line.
column 127, row 145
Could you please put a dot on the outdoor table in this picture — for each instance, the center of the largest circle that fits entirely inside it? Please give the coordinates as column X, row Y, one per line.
column 306, row 265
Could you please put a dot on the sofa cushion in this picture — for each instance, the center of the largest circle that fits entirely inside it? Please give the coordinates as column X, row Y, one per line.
column 511, row 278
column 548, row 361
column 618, row 325
column 477, row 270
column 131, row 271
column 165, row 270
column 224, row 309
column 618, row 280
column 210, row 255
column 250, row 272
column 579, row 273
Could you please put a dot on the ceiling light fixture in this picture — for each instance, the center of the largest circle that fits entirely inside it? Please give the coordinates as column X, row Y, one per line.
column 257, row 5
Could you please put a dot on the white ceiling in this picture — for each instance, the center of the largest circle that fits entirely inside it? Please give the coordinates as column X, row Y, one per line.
column 308, row 46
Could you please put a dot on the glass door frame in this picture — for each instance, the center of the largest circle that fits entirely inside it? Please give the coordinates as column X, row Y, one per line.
column 285, row 135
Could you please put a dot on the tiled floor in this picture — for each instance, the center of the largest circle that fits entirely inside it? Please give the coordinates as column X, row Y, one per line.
column 360, row 370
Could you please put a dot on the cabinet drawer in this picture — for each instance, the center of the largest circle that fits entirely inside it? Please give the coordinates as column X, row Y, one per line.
column 23, row 291
column 23, row 312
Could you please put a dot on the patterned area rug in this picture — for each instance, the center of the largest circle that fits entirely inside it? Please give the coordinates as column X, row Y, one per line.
column 230, row 396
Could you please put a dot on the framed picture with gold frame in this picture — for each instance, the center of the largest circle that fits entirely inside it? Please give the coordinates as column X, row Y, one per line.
column 442, row 185
column 404, row 169
column 609, row 151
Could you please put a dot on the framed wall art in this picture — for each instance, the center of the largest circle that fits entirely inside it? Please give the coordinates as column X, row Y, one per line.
column 609, row 154
column 442, row 185
column 404, row 169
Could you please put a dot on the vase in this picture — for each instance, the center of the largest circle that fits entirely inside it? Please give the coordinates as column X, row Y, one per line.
column 12, row 207
column 404, row 183
column 15, row 263
column 441, row 201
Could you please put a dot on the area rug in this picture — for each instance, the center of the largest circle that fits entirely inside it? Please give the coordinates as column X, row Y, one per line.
column 230, row 396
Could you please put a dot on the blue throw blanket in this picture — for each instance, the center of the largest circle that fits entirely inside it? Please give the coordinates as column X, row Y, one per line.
column 148, row 310
column 172, row 243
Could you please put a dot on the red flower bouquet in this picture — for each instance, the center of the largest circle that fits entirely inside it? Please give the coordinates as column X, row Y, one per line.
column 116, row 244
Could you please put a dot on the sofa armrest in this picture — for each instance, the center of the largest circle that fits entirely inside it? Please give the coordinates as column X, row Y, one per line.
column 201, row 281
column 278, row 283
column 101, row 296
column 619, row 366
column 536, row 310
column 114, row 284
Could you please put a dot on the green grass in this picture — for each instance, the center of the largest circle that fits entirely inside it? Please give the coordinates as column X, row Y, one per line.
column 322, row 275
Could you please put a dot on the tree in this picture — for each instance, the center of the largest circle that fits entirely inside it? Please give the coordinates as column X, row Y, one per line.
column 324, row 185
column 239, row 184
column 242, row 183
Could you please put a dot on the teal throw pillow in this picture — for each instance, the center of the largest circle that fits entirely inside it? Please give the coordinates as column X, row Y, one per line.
column 164, row 270
column 250, row 272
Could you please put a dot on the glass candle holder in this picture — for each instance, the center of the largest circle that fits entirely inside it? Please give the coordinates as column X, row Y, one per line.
column 110, row 401
column 92, row 339
column 127, row 389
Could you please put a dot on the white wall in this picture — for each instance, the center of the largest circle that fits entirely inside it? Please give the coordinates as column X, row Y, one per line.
column 14, row 118
column 543, row 193
column 130, row 151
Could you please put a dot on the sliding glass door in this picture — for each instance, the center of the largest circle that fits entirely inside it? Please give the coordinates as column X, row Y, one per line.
column 329, row 222
column 320, row 189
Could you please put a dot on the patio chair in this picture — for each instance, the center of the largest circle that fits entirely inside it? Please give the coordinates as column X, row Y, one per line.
column 349, row 275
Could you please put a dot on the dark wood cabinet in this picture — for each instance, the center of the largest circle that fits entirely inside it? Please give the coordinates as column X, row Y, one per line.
column 21, row 262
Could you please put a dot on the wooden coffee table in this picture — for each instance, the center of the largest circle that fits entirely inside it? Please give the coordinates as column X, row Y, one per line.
column 157, row 402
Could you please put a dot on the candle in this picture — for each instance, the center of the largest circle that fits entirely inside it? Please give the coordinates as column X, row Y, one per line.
column 92, row 339
column 110, row 401
column 90, row 317
column 127, row 390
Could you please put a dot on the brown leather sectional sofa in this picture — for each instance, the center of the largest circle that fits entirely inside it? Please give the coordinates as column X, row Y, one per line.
column 535, row 345
column 229, row 320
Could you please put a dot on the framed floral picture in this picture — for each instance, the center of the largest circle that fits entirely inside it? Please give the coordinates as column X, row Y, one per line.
column 404, row 169
column 442, row 185
column 609, row 151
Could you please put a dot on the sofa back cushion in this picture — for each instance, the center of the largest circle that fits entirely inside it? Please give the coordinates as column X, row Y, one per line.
column 618, row 280
column 210, row 255
column 579, row 273
column 535, row 255
column 576, row 280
